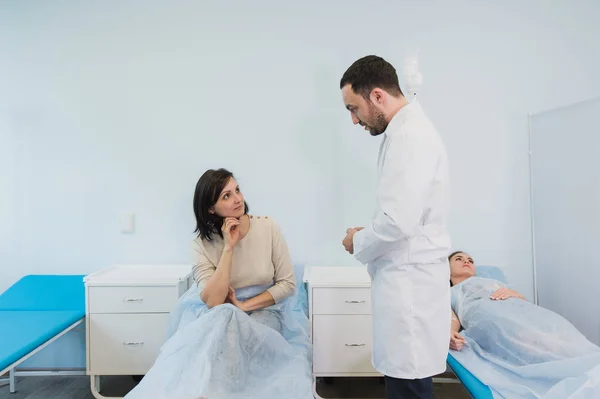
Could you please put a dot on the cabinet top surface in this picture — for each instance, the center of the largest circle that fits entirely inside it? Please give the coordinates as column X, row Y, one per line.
column 337, row 276
column 140, row 274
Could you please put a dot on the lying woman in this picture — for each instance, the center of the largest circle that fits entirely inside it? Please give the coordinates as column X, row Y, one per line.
column 518, row 349
column 237, row 332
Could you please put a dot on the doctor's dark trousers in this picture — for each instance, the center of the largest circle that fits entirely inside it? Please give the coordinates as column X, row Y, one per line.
column 409, row 389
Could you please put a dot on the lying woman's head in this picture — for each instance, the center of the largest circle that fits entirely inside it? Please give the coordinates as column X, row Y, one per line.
column 217, row 196
column 461, row 265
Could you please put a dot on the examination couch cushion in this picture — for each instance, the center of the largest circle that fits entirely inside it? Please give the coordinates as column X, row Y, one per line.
column 45, row 292
column 23, row 331
column 476, row 388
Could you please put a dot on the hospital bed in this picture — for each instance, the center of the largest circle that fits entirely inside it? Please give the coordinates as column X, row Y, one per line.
column 476, row 388
column 39, row 309
column 34, row 312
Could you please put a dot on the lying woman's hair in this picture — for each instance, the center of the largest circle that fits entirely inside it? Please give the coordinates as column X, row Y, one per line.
column 454, row 253
column 208, row 190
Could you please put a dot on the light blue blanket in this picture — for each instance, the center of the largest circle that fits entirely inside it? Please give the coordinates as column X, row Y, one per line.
column 521, row 350
column 225, row 353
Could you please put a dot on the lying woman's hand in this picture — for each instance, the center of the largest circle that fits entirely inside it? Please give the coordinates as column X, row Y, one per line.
column 505, row 293
column 456, row 341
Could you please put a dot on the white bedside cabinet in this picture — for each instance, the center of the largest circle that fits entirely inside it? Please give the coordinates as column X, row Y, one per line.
column 339, row 300
column 127, row 311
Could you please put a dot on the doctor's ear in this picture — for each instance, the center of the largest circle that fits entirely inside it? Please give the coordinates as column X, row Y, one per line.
column 377, row 96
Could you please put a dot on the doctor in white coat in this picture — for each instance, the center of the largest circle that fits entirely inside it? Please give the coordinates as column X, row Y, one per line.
column 406, row 243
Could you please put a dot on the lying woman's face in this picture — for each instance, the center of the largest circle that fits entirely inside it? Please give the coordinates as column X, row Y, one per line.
column 462, row 264
column 230, row 202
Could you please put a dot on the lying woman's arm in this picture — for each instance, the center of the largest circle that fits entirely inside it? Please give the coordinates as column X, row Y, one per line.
column 455, row 325
column 456, row 340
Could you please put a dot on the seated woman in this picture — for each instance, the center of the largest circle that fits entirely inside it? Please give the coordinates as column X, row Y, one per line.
column 518, row 349
column 236, row 333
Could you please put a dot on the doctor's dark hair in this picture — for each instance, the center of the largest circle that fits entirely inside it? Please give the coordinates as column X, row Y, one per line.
column 370, row 72
column 208, row 189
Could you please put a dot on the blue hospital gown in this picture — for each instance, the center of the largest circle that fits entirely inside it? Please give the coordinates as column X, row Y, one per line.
column 521, row 350
column 225, row 353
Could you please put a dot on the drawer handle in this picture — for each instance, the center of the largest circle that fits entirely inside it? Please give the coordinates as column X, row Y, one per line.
column 355, row 344
column 355, row 301
column 134, row 300
column 133, row 343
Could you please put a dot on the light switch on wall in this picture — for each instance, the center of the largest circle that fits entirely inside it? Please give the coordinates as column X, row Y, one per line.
column 128, row 223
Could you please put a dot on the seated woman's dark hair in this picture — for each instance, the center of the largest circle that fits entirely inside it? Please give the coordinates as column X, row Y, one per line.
column 209, row 187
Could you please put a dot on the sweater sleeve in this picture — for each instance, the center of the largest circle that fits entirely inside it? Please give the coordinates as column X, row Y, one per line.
column 285, row 280
column 202, row 268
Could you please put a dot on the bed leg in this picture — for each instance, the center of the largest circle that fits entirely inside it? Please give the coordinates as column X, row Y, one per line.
column 11, row 377
column 315, row 394
column 443, row 380
column 95, row 388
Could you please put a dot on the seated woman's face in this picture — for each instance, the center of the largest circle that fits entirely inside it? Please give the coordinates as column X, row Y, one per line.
column 230, row 202
column 461, row 264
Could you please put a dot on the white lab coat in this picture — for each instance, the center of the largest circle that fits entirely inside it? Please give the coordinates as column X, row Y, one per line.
column 405, row 247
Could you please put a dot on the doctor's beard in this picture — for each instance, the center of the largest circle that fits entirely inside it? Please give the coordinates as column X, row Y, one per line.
column 378, row 124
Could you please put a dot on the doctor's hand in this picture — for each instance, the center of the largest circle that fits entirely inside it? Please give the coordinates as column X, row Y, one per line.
column 456, row 341
column 348, row 241
column 505, row 293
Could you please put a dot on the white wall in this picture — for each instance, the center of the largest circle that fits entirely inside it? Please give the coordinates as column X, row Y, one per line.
column 120, row 107
column 8, row 188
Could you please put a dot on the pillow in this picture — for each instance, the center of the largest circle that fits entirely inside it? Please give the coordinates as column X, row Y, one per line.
column 299, row 272
column 491, row 272
column 301, row 290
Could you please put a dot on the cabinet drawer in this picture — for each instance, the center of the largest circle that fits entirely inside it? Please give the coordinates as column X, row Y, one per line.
column 125, row 343
column 132, row 299
column 342, row 344
column 341, row 301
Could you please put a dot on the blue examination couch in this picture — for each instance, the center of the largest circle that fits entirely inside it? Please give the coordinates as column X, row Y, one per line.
column 476, row 388
column 34, row 312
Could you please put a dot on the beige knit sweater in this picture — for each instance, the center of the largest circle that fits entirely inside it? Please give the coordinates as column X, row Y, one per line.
column 260, row 258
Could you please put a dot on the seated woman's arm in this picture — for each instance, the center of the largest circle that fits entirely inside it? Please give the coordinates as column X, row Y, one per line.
column 258, row 302
column 213, row 282
column 285, row 280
